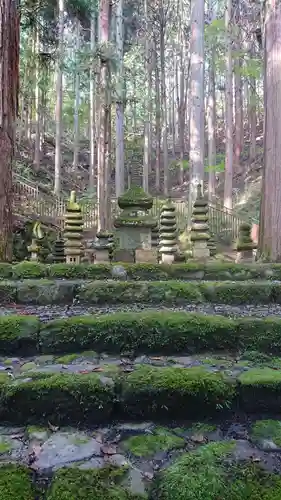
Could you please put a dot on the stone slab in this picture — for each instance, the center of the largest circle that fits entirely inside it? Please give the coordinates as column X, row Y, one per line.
column 146, row 256
column 124, row 255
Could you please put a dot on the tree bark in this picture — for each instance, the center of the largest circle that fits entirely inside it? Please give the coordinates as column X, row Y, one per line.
column 270, row 227
column 229, row 111
column 9, row 86
column 57, row 186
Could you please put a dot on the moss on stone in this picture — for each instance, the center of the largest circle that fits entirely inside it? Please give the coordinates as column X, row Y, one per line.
column 267, row 429
column 148, row 391
column 5, row 445
column 75, row 484
column 16, row 483
column 148, row 444
column 211, row 471
column 67, row 358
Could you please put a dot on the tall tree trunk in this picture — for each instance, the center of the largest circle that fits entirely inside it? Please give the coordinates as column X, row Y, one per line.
column 9, row 86
column 211, row 120
column 196, row 122
column 120, row 159
column 157, row 122
column 57, row 186
column 76, row 100
column 103, row 116
column 37, row 93
column 146, row 159
column 270, row 229
column 164, row 99
column 238, row 92
column 229, row 111
column 92, row 107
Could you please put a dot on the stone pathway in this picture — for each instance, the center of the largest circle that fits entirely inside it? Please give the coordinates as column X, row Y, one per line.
column 143, row 448
column 46, row 313
column 109, row 366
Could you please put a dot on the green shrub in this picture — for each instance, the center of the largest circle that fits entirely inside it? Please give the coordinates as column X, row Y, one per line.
column 140, row 332
column 16, row 483
column 75, row 484
column 58, row 398
column 174, row 392
column 18, row 334
column 79, row 271
column 211, row 473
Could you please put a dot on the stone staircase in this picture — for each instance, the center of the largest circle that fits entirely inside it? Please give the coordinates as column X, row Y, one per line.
column 164, row 384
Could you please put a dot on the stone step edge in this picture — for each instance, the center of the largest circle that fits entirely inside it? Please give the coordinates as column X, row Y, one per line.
column 197, row 270
column 146, row 393
column 138, row 332
column 51, row 292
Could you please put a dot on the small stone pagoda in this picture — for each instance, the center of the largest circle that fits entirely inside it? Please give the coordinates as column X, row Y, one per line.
column 155, row 236
column 168, row 234
column 103, row 247
column 245, row 245
column 134, row 224
column 199, row 233
column 73, row 230
column 58, row 250
column 37, row 235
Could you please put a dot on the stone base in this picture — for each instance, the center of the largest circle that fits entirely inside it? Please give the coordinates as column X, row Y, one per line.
column 146, row 256
column 124, row 256
column 246, row 256
column 200, row 250
column 167, row 258
column 101, row 256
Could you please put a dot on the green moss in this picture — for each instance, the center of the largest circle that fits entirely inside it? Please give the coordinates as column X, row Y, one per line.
column 76, row 484
column 77, row 440
column 267, row 429
column 190, row 270
column 210, row 472
column 202, row 428
column 58, row 398
column 260, row 390
column 67, row 358
column 148, row 391
column 36, row 428
column 149, row 444
column 18, row 334
column 5, row 445
column 16, row 483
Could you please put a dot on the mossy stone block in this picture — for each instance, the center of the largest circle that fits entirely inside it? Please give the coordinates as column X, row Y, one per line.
column 180, row 391
column 18, row 334
column 45, row 292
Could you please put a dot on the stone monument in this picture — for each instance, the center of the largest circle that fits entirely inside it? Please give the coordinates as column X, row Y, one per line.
column 168, row 234
column 199, row 233
column 73, row 230
column 245, row 245
column 134, row 224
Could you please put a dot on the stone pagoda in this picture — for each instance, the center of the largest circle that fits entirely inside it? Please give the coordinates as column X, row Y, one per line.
column 73, row 230
column 245, row 245
column 58, row 250
column 168, row 244
column 103, row 247
column 199, row 233
column 134, row 224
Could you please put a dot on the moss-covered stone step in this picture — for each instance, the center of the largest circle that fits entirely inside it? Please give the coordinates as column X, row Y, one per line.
column 190, row 270
column 44, row 292
column 162, row 332
column 142, row 461
column 145, row 392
